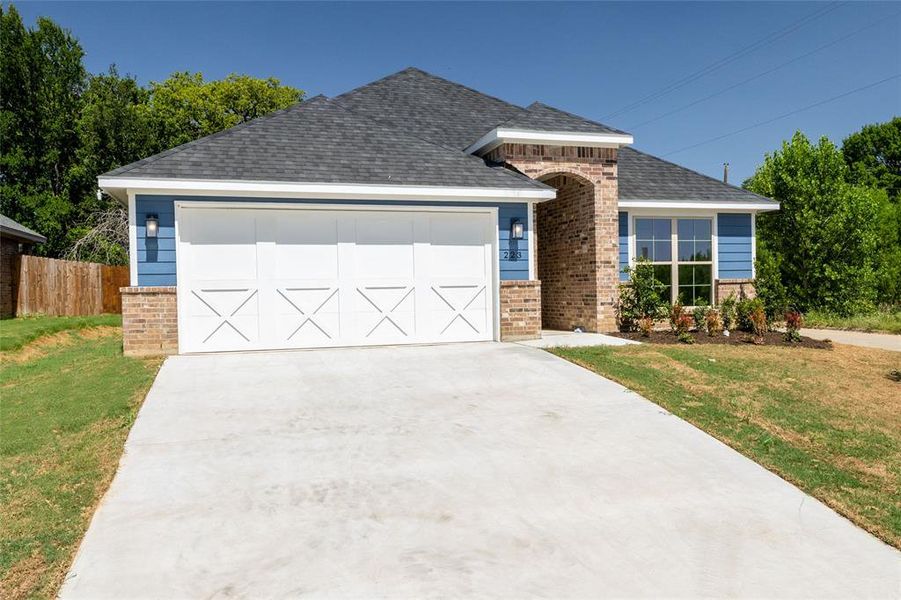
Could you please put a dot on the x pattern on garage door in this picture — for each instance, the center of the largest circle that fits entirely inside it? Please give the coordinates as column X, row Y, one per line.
column 297, row 278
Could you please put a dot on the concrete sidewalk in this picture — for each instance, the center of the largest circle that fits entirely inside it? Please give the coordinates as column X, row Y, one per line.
column 471, row 470
column 884, row 341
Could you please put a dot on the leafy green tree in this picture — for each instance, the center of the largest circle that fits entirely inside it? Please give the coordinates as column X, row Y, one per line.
column 60, row 128
column 41, row 82
column 186, row 107
column 825, row 235
column 873, row 155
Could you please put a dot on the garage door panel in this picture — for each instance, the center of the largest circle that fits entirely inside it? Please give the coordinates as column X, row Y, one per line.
column 311, row 278
column 306, row 245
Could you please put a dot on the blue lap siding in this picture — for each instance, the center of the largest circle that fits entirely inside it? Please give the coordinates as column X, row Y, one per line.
column 623, row 245
column 735, row 248
column 156, row 257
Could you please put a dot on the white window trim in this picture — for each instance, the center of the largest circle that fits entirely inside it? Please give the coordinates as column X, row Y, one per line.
column 132, row 240
column 714, row 243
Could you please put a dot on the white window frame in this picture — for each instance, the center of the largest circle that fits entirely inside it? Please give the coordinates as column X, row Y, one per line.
column 674, row 216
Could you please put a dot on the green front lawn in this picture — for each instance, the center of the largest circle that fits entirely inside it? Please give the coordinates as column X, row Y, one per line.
column 67, row 401
column 15, row 333
column 887, row 320
column 828, row 421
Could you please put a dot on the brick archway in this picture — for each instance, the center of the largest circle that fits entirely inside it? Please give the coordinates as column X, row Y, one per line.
column 576, row 233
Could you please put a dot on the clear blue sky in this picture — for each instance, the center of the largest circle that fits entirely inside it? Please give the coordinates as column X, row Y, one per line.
column 591, row 59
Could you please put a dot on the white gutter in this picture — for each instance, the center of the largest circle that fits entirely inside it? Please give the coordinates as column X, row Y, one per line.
column 757, row 206
column 501, row 135
column 117, row 186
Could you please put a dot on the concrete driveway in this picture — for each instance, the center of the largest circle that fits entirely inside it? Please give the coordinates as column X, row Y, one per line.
column 488, row 470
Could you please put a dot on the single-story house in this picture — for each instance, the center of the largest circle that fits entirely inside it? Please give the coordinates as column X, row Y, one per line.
column 15, row 239
column 412, row 210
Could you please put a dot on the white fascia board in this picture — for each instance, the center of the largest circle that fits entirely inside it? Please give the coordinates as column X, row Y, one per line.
column 319, row 191
column 501, row 135
column 733, row 206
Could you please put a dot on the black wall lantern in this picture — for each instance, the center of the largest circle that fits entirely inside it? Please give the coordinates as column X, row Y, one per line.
column 516, row 229
column 152, row 225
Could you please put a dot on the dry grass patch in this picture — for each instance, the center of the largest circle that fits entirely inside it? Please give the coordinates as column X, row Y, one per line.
column 829, row 421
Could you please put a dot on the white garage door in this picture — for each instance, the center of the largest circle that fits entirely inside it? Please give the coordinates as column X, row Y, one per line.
column 272, row 278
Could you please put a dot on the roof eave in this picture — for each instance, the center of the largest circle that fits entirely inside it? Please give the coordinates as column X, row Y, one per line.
column 121, row 187
column 23, row 236
column 731, row 205
column 502, row 135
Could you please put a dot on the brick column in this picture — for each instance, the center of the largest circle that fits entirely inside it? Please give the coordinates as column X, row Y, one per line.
column 579, row 238
column 149, row 321
column 520, row 310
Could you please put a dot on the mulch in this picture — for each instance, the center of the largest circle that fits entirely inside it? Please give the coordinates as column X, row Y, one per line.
column 737, row 338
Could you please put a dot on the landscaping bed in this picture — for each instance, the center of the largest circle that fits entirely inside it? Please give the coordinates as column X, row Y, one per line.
column 736, row 338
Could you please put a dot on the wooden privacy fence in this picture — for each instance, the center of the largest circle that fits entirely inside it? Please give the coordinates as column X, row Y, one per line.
column 47, row 286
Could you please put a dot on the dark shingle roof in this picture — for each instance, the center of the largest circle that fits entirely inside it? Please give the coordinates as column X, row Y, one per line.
column 10, row 228
column 320, row 141
column 541, row 117
column 642, row 176
column 439, row 110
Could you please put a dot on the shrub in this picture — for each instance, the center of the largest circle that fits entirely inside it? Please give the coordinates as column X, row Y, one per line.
column 700, row 315
column 713, row 322
column 727, row 310
column 758, row 323
column 676, row 313
column 794, row 320
column 768, row 284
column 743, row 310
column 639, row 298
column 645, row 325
column 685, row 338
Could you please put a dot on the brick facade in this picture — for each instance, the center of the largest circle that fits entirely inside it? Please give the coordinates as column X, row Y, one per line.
column 9, row 273
column 149, row 321
column 742, row 288
column 520, row 310
column 577, row 233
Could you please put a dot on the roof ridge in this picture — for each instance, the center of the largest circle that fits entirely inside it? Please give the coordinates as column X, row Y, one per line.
column 433, row 76
column 704, row 175
column 181, row 147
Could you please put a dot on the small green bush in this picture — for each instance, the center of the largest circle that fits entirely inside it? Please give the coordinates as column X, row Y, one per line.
column 727, row 310
column 640, row 298
column 744, row 309
column 700, row 315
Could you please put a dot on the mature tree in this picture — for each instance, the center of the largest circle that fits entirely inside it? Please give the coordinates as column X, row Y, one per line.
column 825, row 235
column 42, row 82
column 873, row 155
column 186, row 107
column 60, row 128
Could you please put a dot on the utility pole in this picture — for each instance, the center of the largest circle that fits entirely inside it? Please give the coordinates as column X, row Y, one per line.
column 725, row 172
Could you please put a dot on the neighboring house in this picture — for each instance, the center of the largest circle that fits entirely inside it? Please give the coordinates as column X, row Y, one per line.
column 412, row 210
column 15, row 239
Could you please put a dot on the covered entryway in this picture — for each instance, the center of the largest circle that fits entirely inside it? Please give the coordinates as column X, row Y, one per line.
column 275, row 277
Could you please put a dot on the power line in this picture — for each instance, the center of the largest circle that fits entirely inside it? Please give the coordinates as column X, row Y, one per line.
column 769, row 39
column 788, row 114
column 762, row 74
